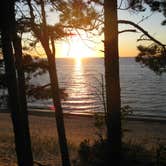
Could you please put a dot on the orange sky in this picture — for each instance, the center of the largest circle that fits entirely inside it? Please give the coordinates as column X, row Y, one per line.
column 74, row 47
column 127, row 41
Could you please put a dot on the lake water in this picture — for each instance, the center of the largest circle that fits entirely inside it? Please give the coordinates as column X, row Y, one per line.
column 141, row 89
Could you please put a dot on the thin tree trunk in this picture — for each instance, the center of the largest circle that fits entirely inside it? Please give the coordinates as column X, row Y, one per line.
column 18, row 109
column 55, row 89
column 112, row 80
column 58, row 108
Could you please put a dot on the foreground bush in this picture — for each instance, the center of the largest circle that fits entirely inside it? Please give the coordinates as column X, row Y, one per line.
column 132, row 154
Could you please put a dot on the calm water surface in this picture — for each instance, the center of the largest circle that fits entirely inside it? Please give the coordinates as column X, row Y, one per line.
column 141, row 89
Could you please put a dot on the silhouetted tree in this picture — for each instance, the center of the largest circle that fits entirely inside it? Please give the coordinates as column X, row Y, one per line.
column 17, row 99
column 113, row 101
column 111, row 22
column 44, row 34
column 47, row 34
column 153, row 55
column 155, row 6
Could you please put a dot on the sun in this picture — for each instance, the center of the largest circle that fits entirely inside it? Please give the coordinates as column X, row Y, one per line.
column 77, row 48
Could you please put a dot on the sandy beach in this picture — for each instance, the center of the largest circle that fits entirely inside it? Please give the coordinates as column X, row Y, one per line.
column 78, row 128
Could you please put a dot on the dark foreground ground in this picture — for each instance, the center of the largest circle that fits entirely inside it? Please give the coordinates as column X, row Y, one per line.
column 44, row 136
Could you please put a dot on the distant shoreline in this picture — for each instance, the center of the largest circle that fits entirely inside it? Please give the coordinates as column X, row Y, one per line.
column 50, row 113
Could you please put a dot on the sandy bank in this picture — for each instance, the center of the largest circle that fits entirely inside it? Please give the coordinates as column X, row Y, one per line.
column 78, row 128
column 82, row 127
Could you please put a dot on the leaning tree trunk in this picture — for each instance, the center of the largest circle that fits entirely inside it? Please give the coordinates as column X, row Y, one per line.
column 112, row 80
column 58, row 109
column 55, row 88
column 17, row 105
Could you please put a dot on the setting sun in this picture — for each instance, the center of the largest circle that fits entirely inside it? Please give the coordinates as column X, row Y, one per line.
column 77, row 48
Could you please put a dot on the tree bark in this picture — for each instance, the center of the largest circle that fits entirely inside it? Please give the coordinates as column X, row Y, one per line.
column 45, row 40
column 17, row 99
column 22, row 97
column 58, row 110
column 55, row 89
column 112, row 80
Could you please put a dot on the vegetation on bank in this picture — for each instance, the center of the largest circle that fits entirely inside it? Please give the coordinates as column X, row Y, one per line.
column 46, row 152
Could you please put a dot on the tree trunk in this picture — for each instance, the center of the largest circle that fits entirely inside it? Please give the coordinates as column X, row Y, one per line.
column 45, row 40
column 112, row 80
column 23, row 101
column 58, row 107
column 17, row 100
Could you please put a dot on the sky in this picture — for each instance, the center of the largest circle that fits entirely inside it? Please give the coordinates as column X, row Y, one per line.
column 76, row 47
column 92, row 46
column 128, row 41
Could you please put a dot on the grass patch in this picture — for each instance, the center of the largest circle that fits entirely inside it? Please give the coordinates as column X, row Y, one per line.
column 45, row 149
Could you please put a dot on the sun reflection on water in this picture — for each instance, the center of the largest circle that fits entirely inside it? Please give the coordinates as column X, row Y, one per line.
column 79, row 87
column 80, row 99
column 78, row 65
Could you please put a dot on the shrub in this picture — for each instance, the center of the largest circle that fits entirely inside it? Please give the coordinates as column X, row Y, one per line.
column 132, row 154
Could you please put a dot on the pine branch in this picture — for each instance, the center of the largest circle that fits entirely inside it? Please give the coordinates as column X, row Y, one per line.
column 127, row 30
column 142, row 30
